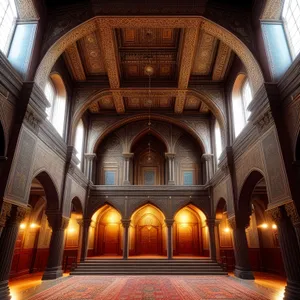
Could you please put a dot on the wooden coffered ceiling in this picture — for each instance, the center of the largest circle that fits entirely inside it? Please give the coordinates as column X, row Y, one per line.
column 179, row 52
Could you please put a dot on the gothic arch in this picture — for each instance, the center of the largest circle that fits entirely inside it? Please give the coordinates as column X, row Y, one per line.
column 53, row 53
column 132, row 209
column 187, row 203
column 52, row 195
column 244, row 199
column 77, row 205
column 116, row 125
column 221, row 205
column 154, row 132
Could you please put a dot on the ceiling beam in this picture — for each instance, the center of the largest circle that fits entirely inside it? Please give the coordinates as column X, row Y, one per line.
column 74, row 62
column 222, row 61
column 107, row 40
column 186, row 63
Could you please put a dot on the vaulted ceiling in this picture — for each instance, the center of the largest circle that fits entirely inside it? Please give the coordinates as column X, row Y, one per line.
column 178, row 56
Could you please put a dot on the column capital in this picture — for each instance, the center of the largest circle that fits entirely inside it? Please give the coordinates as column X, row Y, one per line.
column 127, row 155
column 210, row 222
column 275, row 214
column 170, row 155
column 292, row 212
column 169, row 222
column 126, row 223
column 5, row 213
column 57, row 221
column 90, row 156
column 207, row 157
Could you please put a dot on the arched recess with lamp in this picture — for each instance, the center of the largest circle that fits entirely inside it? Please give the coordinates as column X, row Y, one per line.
column 261, row 232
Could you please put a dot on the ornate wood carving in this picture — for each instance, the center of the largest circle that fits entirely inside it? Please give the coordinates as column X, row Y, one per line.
column 223, row 57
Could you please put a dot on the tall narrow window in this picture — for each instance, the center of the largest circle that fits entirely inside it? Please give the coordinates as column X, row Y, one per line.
column 79, row 141
column 55, row 92
column 218, row 140
column 8, row 17
column 241, row 98
column 291, row 20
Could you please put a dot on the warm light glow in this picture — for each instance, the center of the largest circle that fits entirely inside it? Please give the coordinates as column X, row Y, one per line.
column 184, row 225
column 23, row 226
column 183, row 218
column 274, row 226
column 13, row 295
column 226, row 229
column 264, row 225
column 33, row 225
column 113, row 217
column 71, row 230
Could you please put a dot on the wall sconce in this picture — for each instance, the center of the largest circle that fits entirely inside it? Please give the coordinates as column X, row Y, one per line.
column 71, row 230
column 264, row 226
column 274, row 226
column 22, row 226
column 226, row 229
column 33, row 225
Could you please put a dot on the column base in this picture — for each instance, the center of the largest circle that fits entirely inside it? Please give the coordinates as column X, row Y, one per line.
column 292, row 291
column 52, row 273
column 126, row 182
column 4, row 290
column 171, row 182
column 243, row 274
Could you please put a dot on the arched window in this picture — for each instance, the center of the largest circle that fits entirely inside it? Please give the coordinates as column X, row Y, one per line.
column 241, row 98
column 8, row 17
column 79, row 141
column 218, row 140
column 56, row 94
column 291, row 21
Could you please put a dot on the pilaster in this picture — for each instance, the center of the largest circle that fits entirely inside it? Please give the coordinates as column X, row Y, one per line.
column 169, row 223
column 127, row 163
column 126, row 225
column 171, row 167
column 85, row 238
column 208, row 160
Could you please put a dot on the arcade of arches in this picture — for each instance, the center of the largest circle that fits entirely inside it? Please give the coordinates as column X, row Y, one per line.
column 157, row 143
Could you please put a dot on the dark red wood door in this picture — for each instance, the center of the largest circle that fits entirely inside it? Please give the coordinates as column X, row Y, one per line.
column 149, row 240
column 111, row 239
column 185, row 240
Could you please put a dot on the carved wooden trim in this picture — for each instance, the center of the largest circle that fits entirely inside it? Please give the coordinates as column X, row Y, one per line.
column 292, row 212
column 222, row 60
column 75, row 63
column 5, row 213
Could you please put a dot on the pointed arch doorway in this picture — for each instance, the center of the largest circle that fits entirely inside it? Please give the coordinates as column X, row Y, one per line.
column 148, row 232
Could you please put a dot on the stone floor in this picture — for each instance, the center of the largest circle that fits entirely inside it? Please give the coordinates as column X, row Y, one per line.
column 265, row 286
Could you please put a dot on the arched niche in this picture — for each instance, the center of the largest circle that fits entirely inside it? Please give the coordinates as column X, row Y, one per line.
column 148, row 159
column 106, row 232
column 148, row 231
column 190, row 235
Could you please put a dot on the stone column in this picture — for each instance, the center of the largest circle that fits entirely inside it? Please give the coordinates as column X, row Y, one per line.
column 289, row 250
column 127, row 158
column 4, row 214
column 89, row 163
column 58, row 224
column 217, row 239
column 85, row 238
column 7, row 245
column 171, row 167
column 126, row 225
column 169, row 223
column 212, row 238
column 295, row 218
column 208, row 158
column 241, row 254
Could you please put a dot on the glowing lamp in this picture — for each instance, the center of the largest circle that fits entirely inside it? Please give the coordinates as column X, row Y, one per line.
column 264, row 226
column 149, row 70
column 226, row 229
column 71, row 230
column 33, row 225
column 274, row 226
column 23, row 226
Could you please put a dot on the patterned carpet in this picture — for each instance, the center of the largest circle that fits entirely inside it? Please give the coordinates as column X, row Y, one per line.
column 148, row 288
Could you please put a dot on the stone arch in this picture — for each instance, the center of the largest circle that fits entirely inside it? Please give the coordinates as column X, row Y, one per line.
column 140, row 117
column 143, row 132
column 192, row 203
column 132, row 209
column 53, row 53
column 221, row 206
column 77, row 205
column 106, row 203
column 244, row 199
column 51, row 192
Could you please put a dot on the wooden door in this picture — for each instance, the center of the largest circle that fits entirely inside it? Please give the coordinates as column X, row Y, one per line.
column 185, row 240
column 149, row 240
column 111, row 239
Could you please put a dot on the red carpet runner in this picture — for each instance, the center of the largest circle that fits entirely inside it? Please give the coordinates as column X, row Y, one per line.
column 148, row 288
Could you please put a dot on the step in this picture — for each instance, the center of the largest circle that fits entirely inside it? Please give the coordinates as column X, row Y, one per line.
column 149, row 273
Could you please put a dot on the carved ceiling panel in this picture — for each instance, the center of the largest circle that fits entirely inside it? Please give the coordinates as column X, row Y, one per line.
column 103, row 104
column 192, row 103
column 146, row 103
column 205, row 54
column 91, row 55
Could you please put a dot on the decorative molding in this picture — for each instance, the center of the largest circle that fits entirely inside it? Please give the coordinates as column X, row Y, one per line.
column 180, row 102
column 272, row 10
column 26, row 10
column 222, row 60
column 74, row 62
column 274, row 214
column 264, row 122
column 118, row 102
column 292, row 212
column 5, row 213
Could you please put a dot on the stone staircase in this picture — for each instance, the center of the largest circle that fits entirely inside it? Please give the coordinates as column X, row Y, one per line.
column 148, row 267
